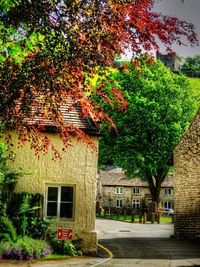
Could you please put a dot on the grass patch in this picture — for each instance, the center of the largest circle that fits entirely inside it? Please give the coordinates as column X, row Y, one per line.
column 56, row 256
column 163, row 219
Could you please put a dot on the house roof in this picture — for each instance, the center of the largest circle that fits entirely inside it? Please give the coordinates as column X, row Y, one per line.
column 168, row 182
column 195, row 122
column 71, row 114
column 117, row 177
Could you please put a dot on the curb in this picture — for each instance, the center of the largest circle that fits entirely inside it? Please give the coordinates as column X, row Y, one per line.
column 108, row 252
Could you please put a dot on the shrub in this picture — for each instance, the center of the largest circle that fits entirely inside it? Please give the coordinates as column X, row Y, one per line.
column 7, row 230
column 65, row 247
column 39, row 227
column 24, row 248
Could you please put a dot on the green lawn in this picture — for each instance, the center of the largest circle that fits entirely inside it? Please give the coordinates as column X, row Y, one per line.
column 163, row 219
column 195, row 83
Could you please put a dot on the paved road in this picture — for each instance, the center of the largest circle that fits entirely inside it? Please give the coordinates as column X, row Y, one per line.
column 145, row 245
column 131, row 245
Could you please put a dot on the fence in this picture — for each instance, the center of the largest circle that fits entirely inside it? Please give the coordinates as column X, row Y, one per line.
column 15, row 202
column 129, row 214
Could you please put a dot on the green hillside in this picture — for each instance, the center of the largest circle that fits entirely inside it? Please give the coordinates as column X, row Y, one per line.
column 195, row 83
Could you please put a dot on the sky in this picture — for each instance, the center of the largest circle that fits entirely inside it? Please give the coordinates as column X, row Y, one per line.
column 188, row 10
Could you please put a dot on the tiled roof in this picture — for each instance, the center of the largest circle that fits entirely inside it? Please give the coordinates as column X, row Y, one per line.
column 117, row 177
column 71, row 114
column 168, row 182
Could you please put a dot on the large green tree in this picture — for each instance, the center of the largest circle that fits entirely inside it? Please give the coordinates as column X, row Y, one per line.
column 159, row 110
column 191, row 66
column 49, row 47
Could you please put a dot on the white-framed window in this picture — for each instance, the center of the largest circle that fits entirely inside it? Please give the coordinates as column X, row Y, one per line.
column 119, row 190
column 168, row 204
column 136, row 191
column 136, row 204
column 59, row 201
column 119, row 203
column 168, row 191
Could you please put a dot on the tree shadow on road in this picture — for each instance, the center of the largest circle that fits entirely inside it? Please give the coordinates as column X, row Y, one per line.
column 152, row 248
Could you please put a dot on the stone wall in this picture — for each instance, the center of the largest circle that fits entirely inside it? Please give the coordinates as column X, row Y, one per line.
column 78, row 168
column 187, row 183
column 110, row 192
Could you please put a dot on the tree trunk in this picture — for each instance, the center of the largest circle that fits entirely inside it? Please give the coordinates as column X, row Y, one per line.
column 154, row 189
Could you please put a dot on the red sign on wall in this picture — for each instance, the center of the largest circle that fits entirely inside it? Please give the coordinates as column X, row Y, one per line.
column 64, row 234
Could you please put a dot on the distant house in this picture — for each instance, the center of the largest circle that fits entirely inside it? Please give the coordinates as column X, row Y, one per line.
column 114, row 189
column 171, row 61
column 187, row 183
column 68, row 186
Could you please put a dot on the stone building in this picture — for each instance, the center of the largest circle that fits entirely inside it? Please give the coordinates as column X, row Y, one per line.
column 187, row 183
column 68, row 186
column 114, row 189
column 171, row 61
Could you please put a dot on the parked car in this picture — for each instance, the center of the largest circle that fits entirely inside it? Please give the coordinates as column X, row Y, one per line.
column 166, row 211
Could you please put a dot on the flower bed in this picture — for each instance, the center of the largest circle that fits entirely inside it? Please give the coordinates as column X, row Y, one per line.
column 24, row 248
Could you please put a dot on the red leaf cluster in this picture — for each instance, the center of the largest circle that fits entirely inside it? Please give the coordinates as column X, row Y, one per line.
column 82, row 39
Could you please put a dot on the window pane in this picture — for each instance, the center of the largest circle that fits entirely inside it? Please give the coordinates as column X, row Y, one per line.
column 51, row 209
column 67, row 194
column 66, row 210
column 52, row 194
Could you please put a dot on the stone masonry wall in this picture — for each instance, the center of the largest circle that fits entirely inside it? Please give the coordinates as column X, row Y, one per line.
column 78, row 167
column 187, row 183
column 110, row 192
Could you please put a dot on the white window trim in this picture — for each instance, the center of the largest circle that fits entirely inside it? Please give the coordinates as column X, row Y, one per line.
column 168, row 191
column 58, row 201
column 120, row 190
column 136, row 201
column 120, row 203
column 167, row 204
column 136, row 188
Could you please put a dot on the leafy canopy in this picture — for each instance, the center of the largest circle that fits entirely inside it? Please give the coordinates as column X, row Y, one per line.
column 161, row 105
column 191, row 66
column 48, row 48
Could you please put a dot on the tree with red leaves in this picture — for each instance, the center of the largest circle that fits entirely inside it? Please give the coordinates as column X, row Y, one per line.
column 52, row 49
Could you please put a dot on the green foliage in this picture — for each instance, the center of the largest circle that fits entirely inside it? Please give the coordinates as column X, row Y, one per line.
column 21, row 212
column 5, row 5
column 195, row 84
column 39, row 227
column 7, row 230
column 8, row 177
column 191, row 66
column 161, row 106
column 24, row 248
column 15, row 42
column 64, row 247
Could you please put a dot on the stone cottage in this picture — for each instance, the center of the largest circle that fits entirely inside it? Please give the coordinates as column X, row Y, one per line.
column 67, row 185
column 187, row 183
column 114, row 189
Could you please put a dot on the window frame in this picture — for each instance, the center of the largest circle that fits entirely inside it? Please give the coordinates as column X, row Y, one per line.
column 136, row 188
column 136, row 201
column 58, row 208
column 120, row 190
column 166, row 204
column 168, row 191
column 120, row 203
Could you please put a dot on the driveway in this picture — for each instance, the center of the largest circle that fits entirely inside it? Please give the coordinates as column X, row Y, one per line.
column 145, row 245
